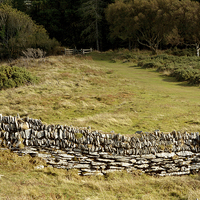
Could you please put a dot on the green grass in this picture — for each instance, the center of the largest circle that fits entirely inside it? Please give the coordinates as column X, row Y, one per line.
column 105, row 92
column 94, row 91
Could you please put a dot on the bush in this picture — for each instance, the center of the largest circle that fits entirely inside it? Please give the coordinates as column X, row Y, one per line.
column 184, row 74
column 14, row 77
column 166, row 67
column 151, row 65
column 195, row 80
column 182, row 52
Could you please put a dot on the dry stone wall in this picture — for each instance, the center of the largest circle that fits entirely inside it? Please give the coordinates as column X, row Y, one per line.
column 97, row 153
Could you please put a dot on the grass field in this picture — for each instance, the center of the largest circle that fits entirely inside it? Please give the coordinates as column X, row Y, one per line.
column 108, row 93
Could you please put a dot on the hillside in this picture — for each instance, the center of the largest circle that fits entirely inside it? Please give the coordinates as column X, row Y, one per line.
column 108, row 93
column 105, row 93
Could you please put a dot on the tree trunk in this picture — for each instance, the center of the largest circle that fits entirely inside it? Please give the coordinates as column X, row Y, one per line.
column 97, row 35
column 197, row 47
column 97, row 28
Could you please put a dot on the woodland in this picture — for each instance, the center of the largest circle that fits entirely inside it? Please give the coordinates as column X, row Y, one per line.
column 98, row 24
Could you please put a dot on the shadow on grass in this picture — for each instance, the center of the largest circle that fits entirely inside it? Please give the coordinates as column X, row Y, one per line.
column 180, row 83
column 135, row 66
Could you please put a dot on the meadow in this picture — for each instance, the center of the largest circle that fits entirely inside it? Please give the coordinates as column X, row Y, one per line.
column 111, row 92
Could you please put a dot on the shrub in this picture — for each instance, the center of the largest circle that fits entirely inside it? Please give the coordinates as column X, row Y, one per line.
column 184, row 74
column 166, row 67
column 140, row 64
column 195, row 80
column 181, row 52
column 14, row 77
column 151, row 65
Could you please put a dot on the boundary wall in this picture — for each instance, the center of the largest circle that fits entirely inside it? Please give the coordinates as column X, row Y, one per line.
column 97, row 153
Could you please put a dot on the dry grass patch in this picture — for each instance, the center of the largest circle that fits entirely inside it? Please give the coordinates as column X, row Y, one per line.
column 26, row 182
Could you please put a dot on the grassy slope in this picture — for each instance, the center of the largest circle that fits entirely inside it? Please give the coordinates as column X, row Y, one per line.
column 107, row 96
column 104, row 95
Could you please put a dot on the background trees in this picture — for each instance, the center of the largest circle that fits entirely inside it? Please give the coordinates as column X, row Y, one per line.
column 18, row 32
column 155, row 22
column 103, row 25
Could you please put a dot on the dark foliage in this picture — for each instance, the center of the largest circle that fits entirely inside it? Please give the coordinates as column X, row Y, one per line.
column 11, row 77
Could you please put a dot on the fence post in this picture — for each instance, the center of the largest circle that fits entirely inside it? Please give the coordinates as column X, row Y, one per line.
column 90, row 49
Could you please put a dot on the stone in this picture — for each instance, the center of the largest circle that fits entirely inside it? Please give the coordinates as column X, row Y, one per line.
column 115, row 167
column 133, row 160
column 131, row 169
column 39, row 167
column 97, row 163
column 104, row 160
column 157, row 168
column 148, row 156
column 139, row 162
column 125, row 164
column 184, row 153
column 195, row 166
column 165, row 155
column 185, row 169
column 81, row 166
column 141, row 166
column 157, row 160
column 92, row 174
column 173, row 169
column 121, row 159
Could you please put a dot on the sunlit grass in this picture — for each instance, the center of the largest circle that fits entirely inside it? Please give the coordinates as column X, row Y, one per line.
column 104, row 95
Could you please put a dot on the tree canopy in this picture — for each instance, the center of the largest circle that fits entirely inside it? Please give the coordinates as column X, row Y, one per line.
column 105, row 24
column 19, row 32
column 154, row 21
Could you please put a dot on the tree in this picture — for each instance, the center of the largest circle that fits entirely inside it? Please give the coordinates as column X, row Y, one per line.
column 19, row 32
column 188, row 23
column 60, row 18
column 19, row 5
column 91, row 12
column 149, row 21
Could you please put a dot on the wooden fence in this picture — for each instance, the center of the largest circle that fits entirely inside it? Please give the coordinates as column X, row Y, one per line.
column 77, row 51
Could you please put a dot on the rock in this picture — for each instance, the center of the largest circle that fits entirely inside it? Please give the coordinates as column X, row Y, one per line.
column 125, row 164
column 149, row 156
column 92, row 174
column 97, row 163
column 141, row 166
column 121, row 159
column 157, row 160
column 157, row 168
column 185, row 153
column 115, row 167
column 139, row 162
column 82, row 166
column 173, row 169
column 133, row 160
column 39, row 167
column 104, row 160
column 195, row 166
column 165, row 155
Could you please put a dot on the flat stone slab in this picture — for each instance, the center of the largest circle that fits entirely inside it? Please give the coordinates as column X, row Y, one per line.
column 148, row 156
column 104, row 160
column 141, row 166
column 165, row 155
column 97, row 163
column 82, row 166
column 184, row 153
